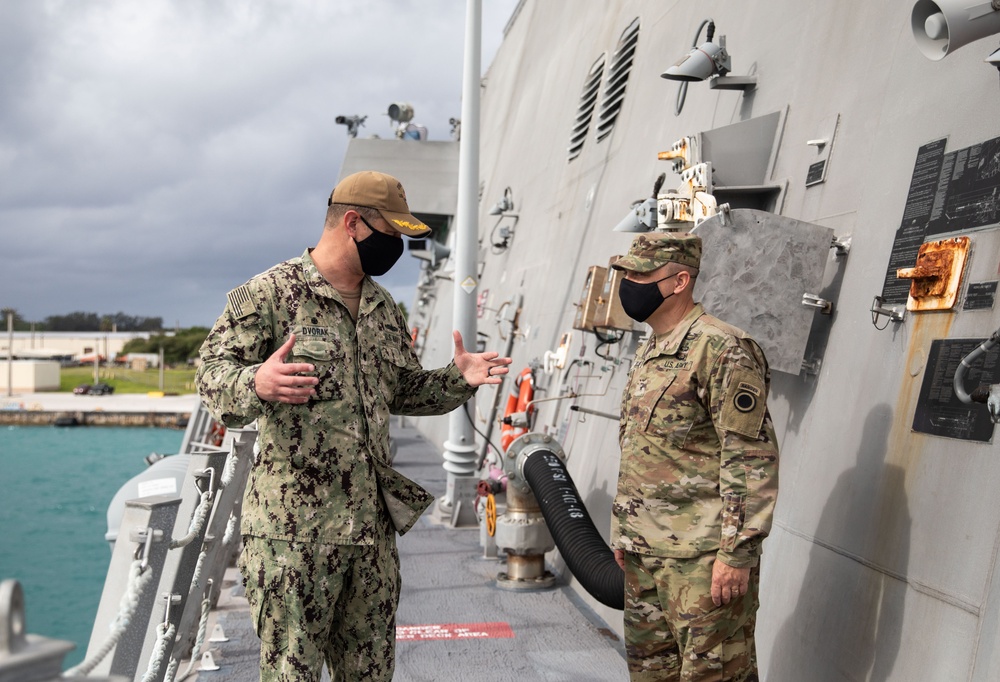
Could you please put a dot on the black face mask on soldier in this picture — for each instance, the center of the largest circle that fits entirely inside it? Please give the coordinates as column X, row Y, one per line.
column 378, row 251
column 642, row 300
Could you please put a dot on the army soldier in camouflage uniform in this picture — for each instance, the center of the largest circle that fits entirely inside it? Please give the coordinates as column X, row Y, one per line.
column 698, row 478
column 317, row 353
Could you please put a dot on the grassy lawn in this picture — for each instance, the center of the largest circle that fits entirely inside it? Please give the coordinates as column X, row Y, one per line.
column 129, row 381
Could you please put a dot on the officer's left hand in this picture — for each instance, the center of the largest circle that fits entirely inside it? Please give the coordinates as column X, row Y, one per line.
column 479, row 368
column 728, row 583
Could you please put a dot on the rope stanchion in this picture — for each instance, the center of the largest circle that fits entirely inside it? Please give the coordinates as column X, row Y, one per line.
column 137, row 581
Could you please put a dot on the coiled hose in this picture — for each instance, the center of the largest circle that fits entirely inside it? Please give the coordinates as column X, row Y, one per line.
column 586, row 553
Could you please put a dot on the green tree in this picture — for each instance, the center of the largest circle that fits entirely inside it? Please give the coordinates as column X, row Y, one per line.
column 74, row 322
column 20, row 324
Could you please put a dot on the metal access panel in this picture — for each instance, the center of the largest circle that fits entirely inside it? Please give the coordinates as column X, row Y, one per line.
column 586, row 310
column 755, row 269
column 610, row 314
column 742, row 153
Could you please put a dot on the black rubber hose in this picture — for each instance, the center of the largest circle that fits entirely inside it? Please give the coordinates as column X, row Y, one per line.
column 586, row 553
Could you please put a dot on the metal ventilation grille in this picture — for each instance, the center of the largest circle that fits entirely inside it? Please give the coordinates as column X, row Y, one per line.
column 585, row 112
column 618, row 73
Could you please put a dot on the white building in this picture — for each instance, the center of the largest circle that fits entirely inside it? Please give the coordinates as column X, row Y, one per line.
column 28, row 376
column 67, row 345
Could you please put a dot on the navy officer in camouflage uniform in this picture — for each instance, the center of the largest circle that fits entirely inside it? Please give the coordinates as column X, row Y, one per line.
column 698, row 478
column 317, row 353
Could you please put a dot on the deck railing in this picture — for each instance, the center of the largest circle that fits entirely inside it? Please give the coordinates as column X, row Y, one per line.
column 166, row 568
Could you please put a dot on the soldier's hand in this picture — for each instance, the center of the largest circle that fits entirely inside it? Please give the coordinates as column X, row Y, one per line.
column 728, row 583
column 479, row 368
column 280, row 382
column 620, row 558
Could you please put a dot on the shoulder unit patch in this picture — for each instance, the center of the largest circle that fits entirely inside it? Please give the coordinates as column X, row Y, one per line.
column 743, row 407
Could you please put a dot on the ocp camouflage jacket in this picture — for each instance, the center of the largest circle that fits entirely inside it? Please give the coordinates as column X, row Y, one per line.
column 699, row 458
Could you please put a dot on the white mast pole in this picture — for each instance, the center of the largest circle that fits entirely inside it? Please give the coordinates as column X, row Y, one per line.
column 460, row 448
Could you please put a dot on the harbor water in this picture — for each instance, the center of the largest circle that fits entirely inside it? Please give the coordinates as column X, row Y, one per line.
column 56, row 484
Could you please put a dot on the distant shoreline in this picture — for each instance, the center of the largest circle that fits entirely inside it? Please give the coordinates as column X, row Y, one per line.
column 66, row 409
column 169, row 420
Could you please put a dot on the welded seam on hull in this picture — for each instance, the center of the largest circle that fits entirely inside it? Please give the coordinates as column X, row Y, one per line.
column 923, row 588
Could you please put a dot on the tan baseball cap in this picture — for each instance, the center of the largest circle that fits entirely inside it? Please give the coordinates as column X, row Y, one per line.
column 382, row 192
column 652, row 250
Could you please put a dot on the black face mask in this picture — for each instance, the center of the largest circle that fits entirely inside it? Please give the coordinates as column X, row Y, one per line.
column 378, row 251
column 642, row 300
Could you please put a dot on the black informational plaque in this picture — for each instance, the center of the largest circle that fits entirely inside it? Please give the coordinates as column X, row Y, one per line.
column 817, row 172
column 916, row 215
column 939, row 411
column 968, row 196
column 954, row 192
column 980, row 296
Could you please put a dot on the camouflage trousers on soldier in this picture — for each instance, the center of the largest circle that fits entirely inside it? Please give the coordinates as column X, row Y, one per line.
column 673, row 630
column 315, row 604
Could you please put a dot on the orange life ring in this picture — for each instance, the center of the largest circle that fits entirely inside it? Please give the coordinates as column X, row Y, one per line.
column 414, row 334
column 521, row 395
column 216, row 434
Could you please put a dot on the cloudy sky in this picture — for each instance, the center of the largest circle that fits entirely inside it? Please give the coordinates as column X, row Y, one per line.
column 156, row 154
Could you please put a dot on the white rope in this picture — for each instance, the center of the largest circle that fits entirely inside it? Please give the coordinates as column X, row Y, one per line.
column 197, row 521
column 164, row 635
column 227, row 538
column 229, row 470
column 137, row 581
column 206, row 608
column 171, row 670
column 196, row 578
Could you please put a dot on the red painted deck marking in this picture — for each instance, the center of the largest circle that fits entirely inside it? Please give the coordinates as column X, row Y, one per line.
column 414, row 633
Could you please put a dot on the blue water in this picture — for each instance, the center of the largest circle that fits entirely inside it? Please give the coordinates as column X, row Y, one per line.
column 55, row 486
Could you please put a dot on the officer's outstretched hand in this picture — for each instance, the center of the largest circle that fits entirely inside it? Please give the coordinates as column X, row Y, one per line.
column 280, row 382
column 728, row 583
column 479, row 368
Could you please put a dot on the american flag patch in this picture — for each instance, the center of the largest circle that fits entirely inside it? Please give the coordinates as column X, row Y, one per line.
column 240, row 302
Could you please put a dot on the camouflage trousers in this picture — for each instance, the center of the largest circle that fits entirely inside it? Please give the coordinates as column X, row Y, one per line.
column 312, row 604
column 673, row 630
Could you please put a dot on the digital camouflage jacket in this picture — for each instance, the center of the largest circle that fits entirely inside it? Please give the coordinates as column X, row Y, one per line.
column 315, row 477
column 699, row 458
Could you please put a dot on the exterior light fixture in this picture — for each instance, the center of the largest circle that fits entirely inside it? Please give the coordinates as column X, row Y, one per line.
column 641, row 218
column 501, row 236
column 427, row 249
column 352, row 123
column 707, row 61
column 505, row 205
column 642, row 215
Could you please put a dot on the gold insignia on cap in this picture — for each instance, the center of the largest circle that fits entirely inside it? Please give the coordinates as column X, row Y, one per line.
column 408, row 224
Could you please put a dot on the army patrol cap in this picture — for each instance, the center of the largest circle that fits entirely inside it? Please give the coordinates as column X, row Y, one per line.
column 652, row 250
column 382, row 192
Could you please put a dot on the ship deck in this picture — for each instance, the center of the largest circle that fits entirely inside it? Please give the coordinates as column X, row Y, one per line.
column 453, row 622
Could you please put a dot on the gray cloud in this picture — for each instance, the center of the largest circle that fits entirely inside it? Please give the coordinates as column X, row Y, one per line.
column 154, row 155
